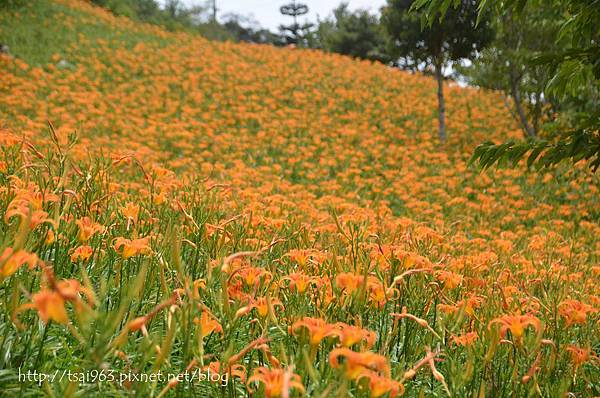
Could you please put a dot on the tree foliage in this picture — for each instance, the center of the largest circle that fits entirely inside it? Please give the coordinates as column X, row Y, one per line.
column 436, row 45
column 573, row 67
column 506, row 64
column 176, row 15
column 354, row 33
column 245, row 30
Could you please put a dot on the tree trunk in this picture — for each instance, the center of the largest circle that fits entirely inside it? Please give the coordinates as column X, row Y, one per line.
column 441, row 103
column 516, row 95
column 537, row 112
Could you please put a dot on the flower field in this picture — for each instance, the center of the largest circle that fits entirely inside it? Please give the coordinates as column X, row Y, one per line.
column 283, row 218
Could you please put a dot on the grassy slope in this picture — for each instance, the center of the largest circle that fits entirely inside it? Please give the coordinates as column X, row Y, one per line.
column 37, row 33
column 295, row 133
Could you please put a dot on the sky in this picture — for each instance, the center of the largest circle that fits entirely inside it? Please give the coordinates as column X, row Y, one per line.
column 266, row 12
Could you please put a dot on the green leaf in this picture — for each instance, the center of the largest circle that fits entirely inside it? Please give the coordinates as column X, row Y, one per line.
column 537, row 150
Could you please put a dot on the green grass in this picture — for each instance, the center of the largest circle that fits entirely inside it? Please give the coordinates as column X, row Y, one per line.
column 35, row 31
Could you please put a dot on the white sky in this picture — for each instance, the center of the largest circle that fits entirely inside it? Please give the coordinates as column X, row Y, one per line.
column 266, row 12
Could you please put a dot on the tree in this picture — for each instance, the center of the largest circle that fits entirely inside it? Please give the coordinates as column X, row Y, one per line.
column 357, row 34
column 573, row 69
column 295, row 33
column 214, row 10
column 247, row 30
column 506, row 63
column 437, row 44
column 146, row 10
column 175, row 15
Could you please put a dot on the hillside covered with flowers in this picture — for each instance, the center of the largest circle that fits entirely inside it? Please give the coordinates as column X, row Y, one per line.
column 282, row 217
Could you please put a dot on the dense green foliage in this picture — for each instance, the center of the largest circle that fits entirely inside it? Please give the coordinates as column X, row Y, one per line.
column 570, row 76
column 354, row 33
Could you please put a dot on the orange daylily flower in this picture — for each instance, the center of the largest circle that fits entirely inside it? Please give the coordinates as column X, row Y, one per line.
column 11, row 261
column 27, row 204
column 466, row 339
column 235, row 370
column 376, row 291
column 50, row 302
column 87, row 228
column 380, row 385
column 574, row 311
column 580, row 355
column 298, row 281
column 517, row 324
column 129, row 248
column 263, row 305
column 36, row 217
column 450, row 279
column 348, row 282
column 317, row 329
column 252, row 276
column 50, row 238
column 82, row 253
column 51, row 306
column 468, row 305
column 356, row 363
column 300, row 256
column 350, row 335
column 277, row 382
column 131, row 212
column 208, row 324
